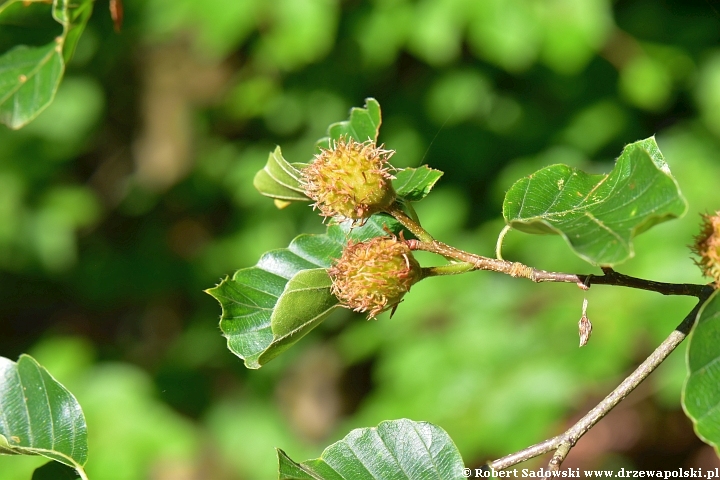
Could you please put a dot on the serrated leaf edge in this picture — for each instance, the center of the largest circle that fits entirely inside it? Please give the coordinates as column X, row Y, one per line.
column 425, row 191
column 353, row 111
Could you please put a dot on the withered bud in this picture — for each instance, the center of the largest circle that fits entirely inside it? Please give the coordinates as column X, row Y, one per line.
column 350, row 180
column 374, row 275
column 584, row 325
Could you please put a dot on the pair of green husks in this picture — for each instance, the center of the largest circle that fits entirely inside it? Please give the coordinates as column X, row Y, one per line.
column 352, row 180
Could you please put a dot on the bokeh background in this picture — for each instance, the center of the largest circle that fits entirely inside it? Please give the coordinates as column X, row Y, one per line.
column 133, row 192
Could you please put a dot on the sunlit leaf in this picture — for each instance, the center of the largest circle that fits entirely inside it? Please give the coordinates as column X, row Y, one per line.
column 279, row 179
column 307, row 292
column 414, row 184
column 38, row 416
column 73, row 15
column 363, row 125
column 29, row 78
column 598, row 215
column 30, row 75
column 394, row 450
column 269, row 307
column 701, row 395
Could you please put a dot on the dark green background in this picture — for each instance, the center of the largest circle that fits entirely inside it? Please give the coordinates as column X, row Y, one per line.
column 133, row 192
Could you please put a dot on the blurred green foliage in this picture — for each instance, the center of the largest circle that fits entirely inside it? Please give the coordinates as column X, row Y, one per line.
column 133, row 192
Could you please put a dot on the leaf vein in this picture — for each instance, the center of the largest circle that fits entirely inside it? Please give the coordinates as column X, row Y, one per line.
column 31, row 436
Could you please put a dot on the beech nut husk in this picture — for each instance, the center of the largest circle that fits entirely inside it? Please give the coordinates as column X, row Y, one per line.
column 374, row 275
column 350, row 180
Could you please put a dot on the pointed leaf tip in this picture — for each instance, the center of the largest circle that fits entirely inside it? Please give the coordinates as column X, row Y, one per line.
column 40, row 416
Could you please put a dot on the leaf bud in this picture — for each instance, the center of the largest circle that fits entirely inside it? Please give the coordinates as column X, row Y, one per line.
column 350, row 180
column 374, row 275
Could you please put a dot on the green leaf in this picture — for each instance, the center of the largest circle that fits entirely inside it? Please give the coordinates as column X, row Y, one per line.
column 55, row 471
column 30, row 75
column 73, row 15
column 598, row 215
column 701, row 392
column 29, row 78
column 414, row 184
column 4, row 4
column 269, row 307
column 279, row 179
column 395, row 450
column 38, row 416
column 363, row 125
column 307, row 292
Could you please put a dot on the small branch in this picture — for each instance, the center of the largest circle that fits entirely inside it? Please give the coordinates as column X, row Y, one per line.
column 449, row 269
column 564, row 442
column 396, row 211
column 465, row 262
column 558, row 457
column 611, row 277
column 411, row 212
column 516, row 269
column 426, row 242
column 525, row 454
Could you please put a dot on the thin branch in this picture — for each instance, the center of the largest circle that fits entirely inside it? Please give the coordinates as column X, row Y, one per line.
column 449, row 269
column 584, row 281
column 515, row 269
column 526, row 454
column 564, row 442
column 415, row 228
column 611, row 277
column 559, row 457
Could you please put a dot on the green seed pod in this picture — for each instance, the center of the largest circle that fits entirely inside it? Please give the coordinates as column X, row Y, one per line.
column 373, row 276
column 350, row 180
column 707, row 247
